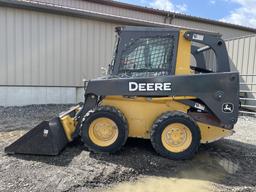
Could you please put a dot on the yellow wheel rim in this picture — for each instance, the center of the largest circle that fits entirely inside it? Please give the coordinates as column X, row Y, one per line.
column 103, row 132
column 176, row 137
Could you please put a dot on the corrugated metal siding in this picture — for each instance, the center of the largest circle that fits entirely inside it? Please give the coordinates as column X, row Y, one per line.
column 81, row 4
column 242, row 52
column 51, row 50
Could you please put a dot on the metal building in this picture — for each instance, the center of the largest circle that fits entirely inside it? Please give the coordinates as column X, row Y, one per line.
column 47, row 47
column 242, row 51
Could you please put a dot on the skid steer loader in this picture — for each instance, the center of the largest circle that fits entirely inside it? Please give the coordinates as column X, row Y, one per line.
column 151, row 91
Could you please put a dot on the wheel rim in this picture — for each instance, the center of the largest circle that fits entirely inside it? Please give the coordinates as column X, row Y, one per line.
column 103, row 132
column 176, row 137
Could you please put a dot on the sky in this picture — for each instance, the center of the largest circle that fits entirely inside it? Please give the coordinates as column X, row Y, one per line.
column 241, row 12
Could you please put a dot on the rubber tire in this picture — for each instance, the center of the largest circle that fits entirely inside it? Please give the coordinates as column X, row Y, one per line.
column 175, row 117
column 113, row 114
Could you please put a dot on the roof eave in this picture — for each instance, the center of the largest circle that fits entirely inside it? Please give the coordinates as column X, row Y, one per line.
column 174, row 14
column 44, row 7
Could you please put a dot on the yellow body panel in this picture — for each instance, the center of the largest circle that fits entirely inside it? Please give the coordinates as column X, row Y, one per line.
column 69, row 126
column 141, row 113
column 183, row 55
column 210, row 133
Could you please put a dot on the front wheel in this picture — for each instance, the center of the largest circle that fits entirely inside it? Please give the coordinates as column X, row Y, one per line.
column 175, row 135
column 104, row 130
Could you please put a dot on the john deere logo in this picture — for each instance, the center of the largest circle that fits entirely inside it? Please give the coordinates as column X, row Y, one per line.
column 227, row 107
column 134, row 86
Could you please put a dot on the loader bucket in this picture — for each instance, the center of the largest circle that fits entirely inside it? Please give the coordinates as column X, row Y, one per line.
column 47, row 138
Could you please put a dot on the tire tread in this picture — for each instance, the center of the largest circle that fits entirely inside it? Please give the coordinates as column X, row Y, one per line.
column 155, row 128
column 112, row 110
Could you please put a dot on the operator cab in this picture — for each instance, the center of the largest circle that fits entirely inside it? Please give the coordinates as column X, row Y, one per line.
column 152, row 52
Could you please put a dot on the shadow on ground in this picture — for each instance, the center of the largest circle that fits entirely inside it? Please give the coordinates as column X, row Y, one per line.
column 63, row 159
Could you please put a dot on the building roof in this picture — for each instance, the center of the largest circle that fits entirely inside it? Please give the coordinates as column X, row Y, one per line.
column 171, row 14
column 56, row 9
column 42, row 6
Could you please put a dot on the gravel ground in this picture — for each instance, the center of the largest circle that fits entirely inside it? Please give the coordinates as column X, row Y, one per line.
column 226, row 165
column 16, row 118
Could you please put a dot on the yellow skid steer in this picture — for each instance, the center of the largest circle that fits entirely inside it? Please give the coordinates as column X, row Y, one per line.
column 152, row 91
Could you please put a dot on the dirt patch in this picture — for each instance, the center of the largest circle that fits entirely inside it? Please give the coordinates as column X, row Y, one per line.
column 156, row 184
column 226, row 165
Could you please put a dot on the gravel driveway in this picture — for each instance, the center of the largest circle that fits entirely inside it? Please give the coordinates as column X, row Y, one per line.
column 226, row 165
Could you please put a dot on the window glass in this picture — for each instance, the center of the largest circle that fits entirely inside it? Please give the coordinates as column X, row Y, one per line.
column 135, row 59
column 147, row 55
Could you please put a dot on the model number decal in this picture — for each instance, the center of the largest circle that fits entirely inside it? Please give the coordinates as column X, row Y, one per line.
column 198, row 37
column 134, row 86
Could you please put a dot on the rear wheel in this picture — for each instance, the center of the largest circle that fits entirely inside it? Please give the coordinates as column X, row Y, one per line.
column 175, row 135
column 104, row 130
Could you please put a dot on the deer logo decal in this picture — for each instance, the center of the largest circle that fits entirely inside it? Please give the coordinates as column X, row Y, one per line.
column 228, row 107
